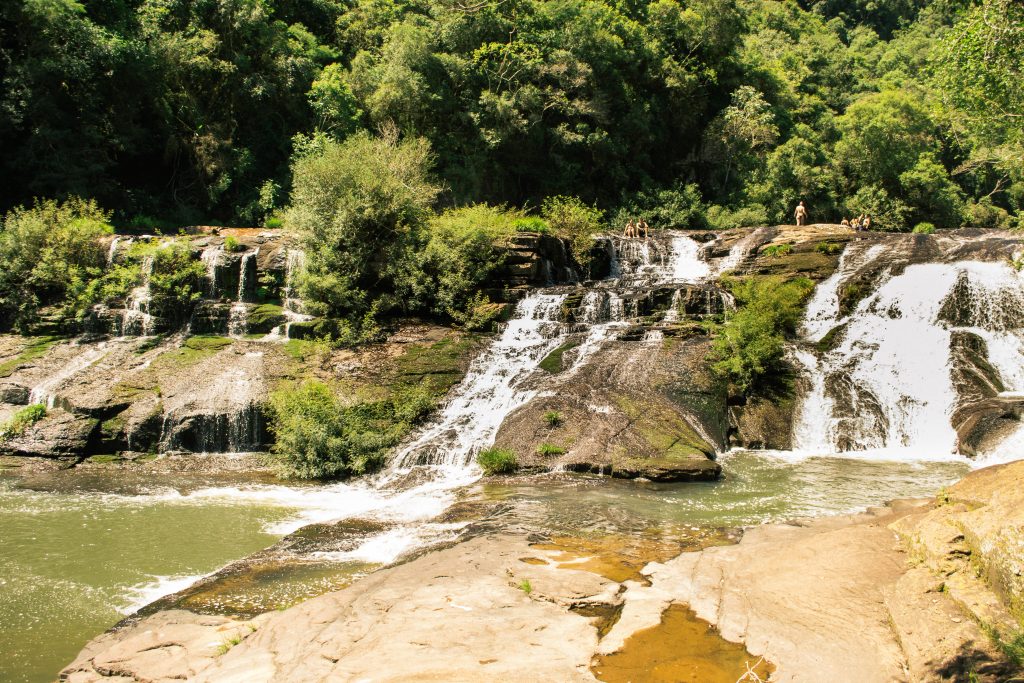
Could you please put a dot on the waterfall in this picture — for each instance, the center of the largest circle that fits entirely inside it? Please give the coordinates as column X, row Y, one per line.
column 742, row 249
column 213, row 258
column 506, row 375
column 291, row 304
column 498, row 382
column 247, row 262
column 46, row 391
column 112, row 251
column 137, row 319
column 886, row 385
column 238, row 320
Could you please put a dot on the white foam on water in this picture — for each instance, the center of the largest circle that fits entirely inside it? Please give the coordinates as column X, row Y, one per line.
column 498, row 382
column 142, row 594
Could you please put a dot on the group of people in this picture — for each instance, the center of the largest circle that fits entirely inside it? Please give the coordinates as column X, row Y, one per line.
column 861, row 222
column 634, row 228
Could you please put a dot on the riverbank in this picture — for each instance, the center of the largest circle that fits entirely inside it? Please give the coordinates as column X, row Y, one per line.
column 872, row 592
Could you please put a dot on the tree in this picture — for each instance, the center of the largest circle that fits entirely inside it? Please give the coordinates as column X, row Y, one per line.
column 356, row 205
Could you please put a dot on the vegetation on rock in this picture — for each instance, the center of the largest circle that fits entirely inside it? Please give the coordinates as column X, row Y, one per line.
column 750, row 346
column 22, row 420
column 496, row 461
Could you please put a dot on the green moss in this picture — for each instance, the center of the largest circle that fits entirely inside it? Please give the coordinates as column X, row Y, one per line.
column 36, row 347
column 201, row 342
column 553, row 361
column 664, row 429
column 104, row 459
column 265, row 317
column 22, row 420
column 438, row 366
column 548, row 449
column 831, row 339
column 111, row 428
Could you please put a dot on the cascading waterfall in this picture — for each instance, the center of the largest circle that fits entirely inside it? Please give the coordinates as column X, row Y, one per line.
column 885, row 388
column 292, row 307
column 46, row 392
column 238, row 316
column 213, row 258
column 137, row 318
column 498, row 381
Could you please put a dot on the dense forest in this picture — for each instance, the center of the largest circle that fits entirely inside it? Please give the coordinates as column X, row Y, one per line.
column 721, row 111
column 399, row 139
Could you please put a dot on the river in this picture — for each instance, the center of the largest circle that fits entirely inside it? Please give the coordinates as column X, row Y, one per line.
column 79, row 551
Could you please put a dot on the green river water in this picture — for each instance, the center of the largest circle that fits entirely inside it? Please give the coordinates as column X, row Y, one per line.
column 79, row 550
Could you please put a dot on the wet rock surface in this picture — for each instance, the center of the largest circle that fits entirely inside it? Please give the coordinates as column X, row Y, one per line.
column 892, row 594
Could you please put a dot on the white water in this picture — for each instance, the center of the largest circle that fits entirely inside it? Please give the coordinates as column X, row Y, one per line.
column 238, row 320
column 212, row 258
column 292, row 307
column 498, row 382
column 741, row 250
column 46, row 391
column 137, row 318
column 243, row 273
column 892, row 367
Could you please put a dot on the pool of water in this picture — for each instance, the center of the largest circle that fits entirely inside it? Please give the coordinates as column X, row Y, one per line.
column 80, row 550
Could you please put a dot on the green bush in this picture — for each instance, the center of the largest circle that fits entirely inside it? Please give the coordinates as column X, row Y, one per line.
column 578, row 222
column 317, row 436
column 678, row 207
column 924, row 228
column 531, row 224
column 358, row 208
column 462, row 250
column 722, row 218
column 777, row 250
column 553, row 418
column 496, row 461
column 828, row 248
column 49, row 254
column 274, row 223
column 749, row 349
column 548, row 449
column 232, row 245
column 22, row 420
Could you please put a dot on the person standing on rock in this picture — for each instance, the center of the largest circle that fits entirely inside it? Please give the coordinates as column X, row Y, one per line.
column 801, row 214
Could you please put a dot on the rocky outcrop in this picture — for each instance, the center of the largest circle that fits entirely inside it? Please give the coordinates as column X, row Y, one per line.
column 848, row 599
column 469, row 612
column 633, row 410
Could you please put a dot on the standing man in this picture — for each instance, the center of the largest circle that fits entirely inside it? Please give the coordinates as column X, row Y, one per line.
column 801, row 214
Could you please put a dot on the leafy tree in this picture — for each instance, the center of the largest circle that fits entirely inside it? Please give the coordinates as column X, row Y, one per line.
column 356, row 206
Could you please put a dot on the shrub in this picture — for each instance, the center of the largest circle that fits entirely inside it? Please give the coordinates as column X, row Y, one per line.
column 777, row 250
column 924, row 228
column 317, row 436
column 553, row 418
column 828, row 248
column 531, row 224
column 232, row 245
column 274, row 223
column 496, row 461
column 569, row 217
column 749, row 349
column 549, row 449
column 461, row 252
column 722, row 218
column 678, row 207
column 50, row 253
column 358, row 207
column 22, row 420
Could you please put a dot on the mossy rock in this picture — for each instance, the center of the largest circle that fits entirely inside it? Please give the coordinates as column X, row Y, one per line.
column 265, row 317
column 35, row 348
column 552, row 362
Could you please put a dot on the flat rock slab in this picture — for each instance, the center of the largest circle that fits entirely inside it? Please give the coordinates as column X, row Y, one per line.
column 463, row 613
